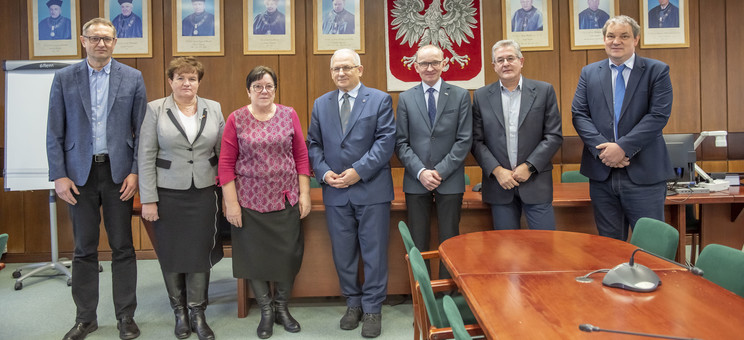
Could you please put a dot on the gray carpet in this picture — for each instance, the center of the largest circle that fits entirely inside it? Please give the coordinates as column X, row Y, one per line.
column 44, row 310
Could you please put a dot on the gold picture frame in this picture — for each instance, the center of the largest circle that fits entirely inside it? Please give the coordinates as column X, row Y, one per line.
column 258, row 37
column 669, row 27
column 201, row 34
column 533, row 30
column 133, row 32
column 586, row 24
column 336, row 31
column 54, row 30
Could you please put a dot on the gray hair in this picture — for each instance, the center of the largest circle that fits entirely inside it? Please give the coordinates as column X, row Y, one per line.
column 430, row 46
column 621, row 20
column 506, row 43
column 354, row 55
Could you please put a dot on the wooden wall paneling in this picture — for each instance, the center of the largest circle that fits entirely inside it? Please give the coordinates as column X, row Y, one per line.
column 571, row 63
column 11, row 220
column 736, row 165
column 153, row 69
column 11, row 42
column 713, row 65
column 714, row 166
column 734, row 56
column 492, row 32
column 684, row 70
column 23, row 28
column 35, row 221
column 294, row 75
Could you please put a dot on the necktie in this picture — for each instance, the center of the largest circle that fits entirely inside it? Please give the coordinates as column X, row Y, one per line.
column 432, row 106
column 619, row 94
column 345, row 112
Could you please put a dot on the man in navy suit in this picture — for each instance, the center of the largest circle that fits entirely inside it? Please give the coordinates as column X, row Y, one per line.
column 351, row 139
column 619, row 110
column 96, row 108
column 516, row 132
column 434, row 127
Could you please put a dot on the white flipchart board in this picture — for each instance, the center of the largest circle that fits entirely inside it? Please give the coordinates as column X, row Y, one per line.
column 27, row 87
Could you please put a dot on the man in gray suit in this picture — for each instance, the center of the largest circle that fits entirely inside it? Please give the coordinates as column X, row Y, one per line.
column 96, row 108
column 516, row 132
column 434, row 129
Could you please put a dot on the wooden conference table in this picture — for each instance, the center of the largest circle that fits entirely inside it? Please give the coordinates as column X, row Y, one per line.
column 521, row 284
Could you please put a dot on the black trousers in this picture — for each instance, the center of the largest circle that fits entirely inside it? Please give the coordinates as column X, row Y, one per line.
column 101, row 191
column 419, row 219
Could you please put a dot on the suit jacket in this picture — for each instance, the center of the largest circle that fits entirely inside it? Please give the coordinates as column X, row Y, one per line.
column 539, row 137
column 442, row 147
column 366, row 146
column 166, row 157
column 69, row 133
column 646, row 108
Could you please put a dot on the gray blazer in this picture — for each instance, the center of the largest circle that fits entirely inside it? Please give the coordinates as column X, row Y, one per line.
column 167, row 159
column 442, row 147
column 69, row 134
column 539, row 139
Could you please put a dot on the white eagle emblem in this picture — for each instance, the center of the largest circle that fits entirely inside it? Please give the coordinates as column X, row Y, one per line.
column 434, row 27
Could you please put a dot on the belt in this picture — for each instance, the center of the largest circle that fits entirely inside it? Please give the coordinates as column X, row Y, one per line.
column 100, row 158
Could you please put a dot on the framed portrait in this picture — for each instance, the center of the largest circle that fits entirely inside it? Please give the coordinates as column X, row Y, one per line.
column 587, row 19
column 268, row 27
column 338, row 24
column 198, row 29
column 665, row 23
column 133, row 23
column 53, row 29
column 529, row 22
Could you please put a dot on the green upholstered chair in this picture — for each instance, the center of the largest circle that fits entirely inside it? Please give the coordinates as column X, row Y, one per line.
column 3, row 243
column 723, row 266
column 573, row 177
column 314, row 182
column 655, row 236
column 431, row 319
column 455, row 319
column 467, row 179
column 405, row 234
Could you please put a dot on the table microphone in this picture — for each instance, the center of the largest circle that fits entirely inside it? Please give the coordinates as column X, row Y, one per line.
column 637, row 277
column 590, row 328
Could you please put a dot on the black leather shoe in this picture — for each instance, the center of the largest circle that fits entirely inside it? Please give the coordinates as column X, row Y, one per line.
column 80, row 330
column 351, row 318
column 266, row 326
column 127, row 328
column 372, row 325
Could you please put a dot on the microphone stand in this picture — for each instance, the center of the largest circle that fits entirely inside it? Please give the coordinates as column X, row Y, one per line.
column 589, row 328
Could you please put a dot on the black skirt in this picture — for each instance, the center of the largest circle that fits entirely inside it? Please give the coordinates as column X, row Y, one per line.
column 187, row 232
column 269, row 246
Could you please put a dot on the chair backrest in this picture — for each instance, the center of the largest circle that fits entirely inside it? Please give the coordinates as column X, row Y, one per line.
column 655, row 236
column 422, row 277
column 723, row 266
column 3, row 243
column 573, row 177
column 314, row 182
column 405, row 234
column 467, row 179
column 455, row 319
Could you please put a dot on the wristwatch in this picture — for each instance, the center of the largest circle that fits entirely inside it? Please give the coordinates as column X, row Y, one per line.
column 531, row 167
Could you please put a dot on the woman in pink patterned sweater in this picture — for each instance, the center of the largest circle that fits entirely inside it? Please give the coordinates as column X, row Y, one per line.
column 265, row 176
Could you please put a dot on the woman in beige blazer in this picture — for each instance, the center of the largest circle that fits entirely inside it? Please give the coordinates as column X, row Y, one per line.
column 178, row 152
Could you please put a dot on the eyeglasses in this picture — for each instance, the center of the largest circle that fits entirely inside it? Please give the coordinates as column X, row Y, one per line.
column 426, row 64
column 510, row 59
column 96, row 40
column 344, row 68
column 259, row 88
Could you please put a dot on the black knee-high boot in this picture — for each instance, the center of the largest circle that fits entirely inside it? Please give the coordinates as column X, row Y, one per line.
column 175, row 283
column 266, row 325
column 197, row 285
column 281, row 302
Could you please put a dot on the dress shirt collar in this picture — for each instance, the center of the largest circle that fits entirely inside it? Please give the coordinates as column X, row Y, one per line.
column 437, row 85
column 519, row 86
column 353, row 93
column 628, row 63
column 106, row 68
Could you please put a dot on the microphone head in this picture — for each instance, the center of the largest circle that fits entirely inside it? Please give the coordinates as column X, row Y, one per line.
column 697, row 271
column 585, row 327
